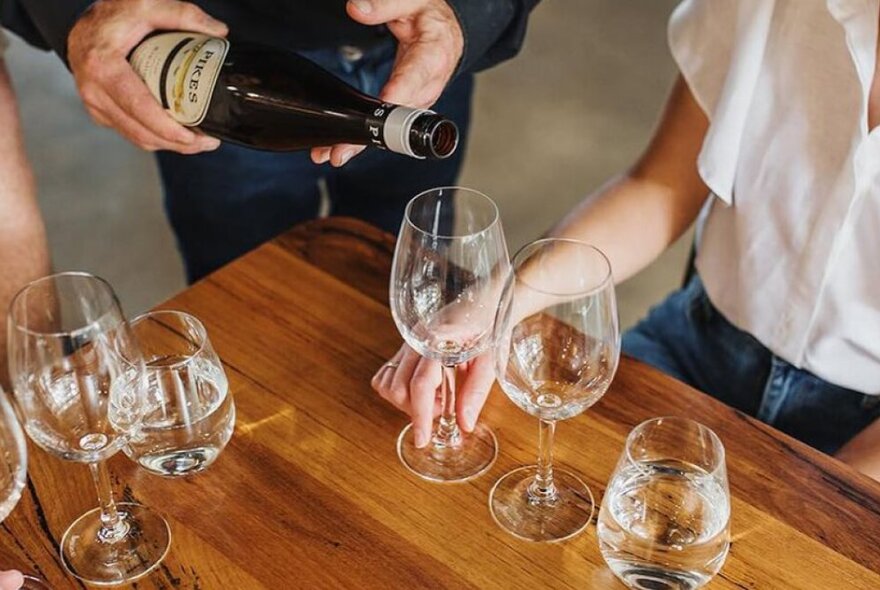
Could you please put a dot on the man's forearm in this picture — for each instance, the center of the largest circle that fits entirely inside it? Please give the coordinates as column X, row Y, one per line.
column 494, row 30
column 24, row 254
column 53, row 19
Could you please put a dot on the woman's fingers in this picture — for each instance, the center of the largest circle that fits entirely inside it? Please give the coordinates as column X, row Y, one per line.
column 473, row 390
column 426, row 380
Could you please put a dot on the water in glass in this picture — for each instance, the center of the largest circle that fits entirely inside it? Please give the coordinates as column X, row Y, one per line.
column 664, row 524
column 191, row 415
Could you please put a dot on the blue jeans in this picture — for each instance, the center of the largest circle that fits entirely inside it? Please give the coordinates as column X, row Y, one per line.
column 687, row 338
column 222, row 204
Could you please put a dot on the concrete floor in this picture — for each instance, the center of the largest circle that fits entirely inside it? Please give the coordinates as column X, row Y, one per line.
column 574, row 109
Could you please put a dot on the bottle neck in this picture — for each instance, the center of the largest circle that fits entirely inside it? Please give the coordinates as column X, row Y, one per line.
column 417, row 133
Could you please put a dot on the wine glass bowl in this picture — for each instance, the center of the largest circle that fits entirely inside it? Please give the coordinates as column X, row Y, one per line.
column 190, row 414
column 557, row 349
column 80, row 401
column 449, row 266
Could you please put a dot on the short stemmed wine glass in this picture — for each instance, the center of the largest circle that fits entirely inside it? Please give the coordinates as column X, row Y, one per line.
column 558, row 345
column 449, row 267
column 80, row 401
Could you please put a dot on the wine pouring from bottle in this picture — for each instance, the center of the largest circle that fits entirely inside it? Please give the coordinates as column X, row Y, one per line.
column 276, row 100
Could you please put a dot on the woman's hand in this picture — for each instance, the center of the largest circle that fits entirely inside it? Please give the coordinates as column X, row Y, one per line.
column 413, row 384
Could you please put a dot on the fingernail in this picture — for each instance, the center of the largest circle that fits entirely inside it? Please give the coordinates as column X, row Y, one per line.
column 422, row 438
column 211, row 143
column 364, row 6
column 346, row 156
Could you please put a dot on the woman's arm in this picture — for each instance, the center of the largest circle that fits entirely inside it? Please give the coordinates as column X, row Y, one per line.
column 862, row 452
column 24, row 255
column 636, row 216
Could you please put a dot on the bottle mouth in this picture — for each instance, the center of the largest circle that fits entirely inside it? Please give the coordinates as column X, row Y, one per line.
column 443, row 139
column 434, row 137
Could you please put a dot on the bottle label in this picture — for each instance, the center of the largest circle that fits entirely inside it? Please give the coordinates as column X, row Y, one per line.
column 181, row 71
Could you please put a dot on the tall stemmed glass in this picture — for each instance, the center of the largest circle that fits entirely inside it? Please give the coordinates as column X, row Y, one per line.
column 80, row 401
column 558, row 345
column 449, row 267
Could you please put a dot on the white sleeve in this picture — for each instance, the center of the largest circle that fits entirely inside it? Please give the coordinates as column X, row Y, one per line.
column 718, row 46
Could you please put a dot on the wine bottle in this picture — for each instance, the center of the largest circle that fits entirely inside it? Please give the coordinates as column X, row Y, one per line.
column 276, row 100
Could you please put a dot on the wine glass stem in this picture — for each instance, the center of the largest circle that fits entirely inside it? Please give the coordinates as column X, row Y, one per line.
column 114, row 527
column 543, row 490
column 447, row 433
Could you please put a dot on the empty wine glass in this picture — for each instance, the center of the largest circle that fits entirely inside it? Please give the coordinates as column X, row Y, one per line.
column 449, row 266
column 80, row 401
column 558, row 345
column 664, row 521
column 13, row 470
column 190, row 413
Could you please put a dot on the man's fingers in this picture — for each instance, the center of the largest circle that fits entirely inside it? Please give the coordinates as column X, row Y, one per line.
column 321, row 155
column 378, row 12
column 132, row 95
column 145, row 138
column 342, row 153
column 427, row 378
column 130, row 128
column 185, row 16
column 473, row 390
column 136, row 101
column 419, row 76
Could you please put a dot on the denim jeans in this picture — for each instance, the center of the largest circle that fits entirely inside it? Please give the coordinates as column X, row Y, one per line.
column 687, row 338
column 223, row 203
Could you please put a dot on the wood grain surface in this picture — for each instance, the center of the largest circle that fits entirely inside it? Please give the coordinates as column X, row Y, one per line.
column 310, row 494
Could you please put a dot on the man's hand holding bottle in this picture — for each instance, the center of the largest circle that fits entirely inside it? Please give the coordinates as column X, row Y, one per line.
column 430, row 45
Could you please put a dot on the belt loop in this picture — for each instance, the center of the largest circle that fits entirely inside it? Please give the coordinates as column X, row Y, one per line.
column 776, row 390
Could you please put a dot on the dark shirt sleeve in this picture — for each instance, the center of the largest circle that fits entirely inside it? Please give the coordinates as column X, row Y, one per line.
column 494, row 30
column 44, row 23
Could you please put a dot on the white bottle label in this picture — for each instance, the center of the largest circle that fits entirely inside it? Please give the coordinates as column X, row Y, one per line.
column 181, row 70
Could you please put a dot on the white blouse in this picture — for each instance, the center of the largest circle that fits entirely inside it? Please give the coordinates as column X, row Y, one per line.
column 789, row 248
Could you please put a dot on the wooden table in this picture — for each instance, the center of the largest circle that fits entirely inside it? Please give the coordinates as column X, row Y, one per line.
column 310, row 493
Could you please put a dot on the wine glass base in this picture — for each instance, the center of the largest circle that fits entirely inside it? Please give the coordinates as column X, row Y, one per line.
column 101, row 563
column 471, row 458
column 567, row 516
